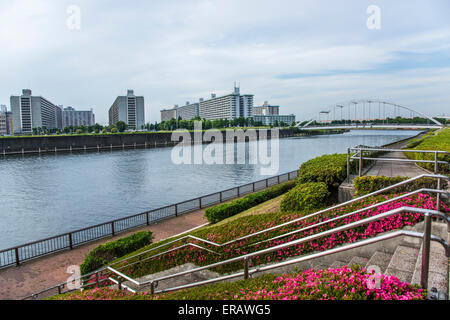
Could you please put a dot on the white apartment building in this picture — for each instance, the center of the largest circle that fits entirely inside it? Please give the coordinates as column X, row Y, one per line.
column 129, row 109
column 229, row 107
column 33, row 112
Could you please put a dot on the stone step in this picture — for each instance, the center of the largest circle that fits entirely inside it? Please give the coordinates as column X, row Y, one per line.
column 338, row 264
column 403, row 263
column 379, row 260
column 360, row 261
column 174, row 282
column 438, row 268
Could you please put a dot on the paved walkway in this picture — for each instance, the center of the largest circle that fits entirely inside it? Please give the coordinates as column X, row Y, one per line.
column 40, row 274
column 393, row 169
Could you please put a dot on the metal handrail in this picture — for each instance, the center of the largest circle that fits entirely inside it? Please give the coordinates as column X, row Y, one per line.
column 359, row 155
column 426, row 251
column 361, row 243
column 352, row 213
column 438, row 192
column 66, row 240
column 320, row 212
column 395, row 150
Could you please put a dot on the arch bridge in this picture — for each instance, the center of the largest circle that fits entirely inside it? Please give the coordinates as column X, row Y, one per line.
column 368, row 113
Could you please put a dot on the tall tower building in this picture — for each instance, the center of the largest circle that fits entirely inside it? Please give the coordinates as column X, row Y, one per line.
column 34, row 111
column 129, row 109
column 75, row 118
column 229, row 107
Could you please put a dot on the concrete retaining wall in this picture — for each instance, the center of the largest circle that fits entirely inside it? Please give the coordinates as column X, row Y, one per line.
column 43, row 144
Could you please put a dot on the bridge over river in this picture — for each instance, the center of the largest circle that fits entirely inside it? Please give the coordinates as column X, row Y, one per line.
column 369, row 114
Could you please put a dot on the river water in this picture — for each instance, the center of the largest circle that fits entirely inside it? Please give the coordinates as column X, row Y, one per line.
column 46, row 195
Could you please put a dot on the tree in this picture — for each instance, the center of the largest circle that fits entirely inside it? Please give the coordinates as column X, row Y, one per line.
column 121, row 126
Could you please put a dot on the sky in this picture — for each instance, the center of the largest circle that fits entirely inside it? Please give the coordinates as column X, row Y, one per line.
column 301, row 55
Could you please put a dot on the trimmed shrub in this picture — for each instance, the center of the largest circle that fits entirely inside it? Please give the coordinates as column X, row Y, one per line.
column 368, row 184
column 105, row 253
column 330, row 169
column 305, row 198
column 223, row 211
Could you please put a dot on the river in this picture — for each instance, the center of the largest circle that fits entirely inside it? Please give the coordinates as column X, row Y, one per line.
column 46, row 195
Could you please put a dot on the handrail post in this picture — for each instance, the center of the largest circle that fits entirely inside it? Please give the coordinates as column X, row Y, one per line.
column 119, row 280
column 200, row 202
column 112, row 228
column 348, row 164
column 16, row 250
column 97, row 279
column 435, row 162
column 147, row 218
column 426, row 252
column 360, row 162
column 176, row 210
column 152, row 288
column 245, row 268
column 438, row 196
column 70, row 241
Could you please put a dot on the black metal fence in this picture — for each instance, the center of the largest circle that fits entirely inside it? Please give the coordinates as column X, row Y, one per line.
column 32, row 250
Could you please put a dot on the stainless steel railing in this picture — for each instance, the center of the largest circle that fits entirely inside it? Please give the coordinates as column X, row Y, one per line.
column 426, row 236
column 68, row 241
column 359, row 156
column 320, row 213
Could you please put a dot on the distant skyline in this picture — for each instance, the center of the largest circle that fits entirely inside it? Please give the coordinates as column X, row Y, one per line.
column 300, row 55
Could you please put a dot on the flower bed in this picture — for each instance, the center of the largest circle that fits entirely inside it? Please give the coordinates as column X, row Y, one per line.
column 345, row 283
column 250, row 225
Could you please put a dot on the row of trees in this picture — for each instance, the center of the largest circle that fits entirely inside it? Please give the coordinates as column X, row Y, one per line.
column 173, row 124
column 169, row 125
column 96, row 128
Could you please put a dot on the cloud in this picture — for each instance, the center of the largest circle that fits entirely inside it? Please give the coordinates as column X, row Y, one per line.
column 298, row 54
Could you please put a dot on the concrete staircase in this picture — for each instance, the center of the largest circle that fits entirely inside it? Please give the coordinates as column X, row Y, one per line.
column 396, row 257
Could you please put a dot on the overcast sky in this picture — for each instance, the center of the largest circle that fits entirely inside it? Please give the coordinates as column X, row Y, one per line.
column 301, row 55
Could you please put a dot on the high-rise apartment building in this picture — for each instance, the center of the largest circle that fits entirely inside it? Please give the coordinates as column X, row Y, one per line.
column 3, row 128
column 75, row 118
column 129, row 109
column 274, row 119
column 3, row 120
column 31, row 112
column 186, row 112
column 266, row 109
column 9, row 124
column 229, row 107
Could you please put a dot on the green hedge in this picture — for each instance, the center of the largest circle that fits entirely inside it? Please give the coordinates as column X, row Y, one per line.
column 368, row 184
column 223, row 211
column 105, row 253
column 330, row 169
column 305, row 198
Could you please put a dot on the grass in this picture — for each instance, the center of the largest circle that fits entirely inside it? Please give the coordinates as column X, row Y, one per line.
column 271, row 206
column 436, row 140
